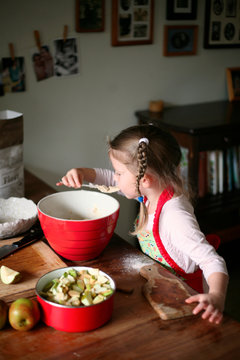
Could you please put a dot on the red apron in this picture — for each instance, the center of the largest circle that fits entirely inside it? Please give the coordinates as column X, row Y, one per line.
column 194, row 280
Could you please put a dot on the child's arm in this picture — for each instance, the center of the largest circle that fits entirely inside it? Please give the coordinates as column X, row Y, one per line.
column 74, row 178
column 212, row 303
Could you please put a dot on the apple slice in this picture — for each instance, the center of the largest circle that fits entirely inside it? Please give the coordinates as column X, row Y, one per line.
column 9, row 276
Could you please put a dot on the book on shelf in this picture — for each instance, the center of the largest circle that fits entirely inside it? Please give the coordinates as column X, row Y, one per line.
column 219, row 171
column 184, row 166
column 229, row 169
column 220, row 166
column 238, row 163
column 236, row 169
column 212, row 172
column 202, row 174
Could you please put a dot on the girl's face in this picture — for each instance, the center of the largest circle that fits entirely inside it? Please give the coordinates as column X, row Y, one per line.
column 126, row 180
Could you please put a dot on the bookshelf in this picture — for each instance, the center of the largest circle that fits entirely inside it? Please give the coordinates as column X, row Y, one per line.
column 206, row 127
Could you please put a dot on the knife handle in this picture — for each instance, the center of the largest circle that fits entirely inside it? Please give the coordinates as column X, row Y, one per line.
column 33, row 236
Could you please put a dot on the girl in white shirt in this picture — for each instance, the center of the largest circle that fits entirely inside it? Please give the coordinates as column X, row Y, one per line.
column 146, row 163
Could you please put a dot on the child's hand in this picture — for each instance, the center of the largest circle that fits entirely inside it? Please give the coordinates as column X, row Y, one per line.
column 73, row 178
column 211, row 304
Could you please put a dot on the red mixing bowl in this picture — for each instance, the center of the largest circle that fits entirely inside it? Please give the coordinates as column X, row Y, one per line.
column 73, row 318
column 78, row 224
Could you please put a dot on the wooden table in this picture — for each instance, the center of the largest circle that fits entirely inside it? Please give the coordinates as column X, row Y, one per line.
column 135, row 330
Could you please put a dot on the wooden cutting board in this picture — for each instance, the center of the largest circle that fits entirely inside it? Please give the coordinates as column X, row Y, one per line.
column 32, row 262
column 166, row 293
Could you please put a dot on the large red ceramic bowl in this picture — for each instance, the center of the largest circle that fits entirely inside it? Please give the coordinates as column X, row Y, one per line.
column 73, row 318
column 78, row 224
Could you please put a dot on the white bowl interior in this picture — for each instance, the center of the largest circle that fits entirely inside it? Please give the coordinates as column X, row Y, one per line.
column 78, row 205
column 45, row 279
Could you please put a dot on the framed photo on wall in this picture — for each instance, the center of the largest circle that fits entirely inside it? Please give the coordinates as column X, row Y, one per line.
column 180, row 40
column 233, row 83
column 132, row 22
column 222, row 24
column 181, row 9
column 90, row 15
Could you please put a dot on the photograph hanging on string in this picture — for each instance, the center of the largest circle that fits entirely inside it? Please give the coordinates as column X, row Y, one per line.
column 65, row 57
column 13, row 74
column 42, row 60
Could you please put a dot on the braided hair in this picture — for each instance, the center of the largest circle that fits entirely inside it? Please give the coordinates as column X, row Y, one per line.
column 142, row 161
column 147, row 148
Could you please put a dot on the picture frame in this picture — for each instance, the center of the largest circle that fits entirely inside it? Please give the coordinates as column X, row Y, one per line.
column 233, row 83
column 181, row 10
column 222, row 26
column 89, row 15
column 132, row 22
column 180, row 40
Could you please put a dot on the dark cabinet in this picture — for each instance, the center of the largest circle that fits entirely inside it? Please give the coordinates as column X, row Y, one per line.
column 199, row 128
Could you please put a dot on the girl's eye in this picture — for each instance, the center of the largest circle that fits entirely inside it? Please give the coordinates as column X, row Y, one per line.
column 117, row 173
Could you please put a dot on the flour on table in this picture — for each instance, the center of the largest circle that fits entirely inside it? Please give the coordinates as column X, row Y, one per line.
column 134, row 262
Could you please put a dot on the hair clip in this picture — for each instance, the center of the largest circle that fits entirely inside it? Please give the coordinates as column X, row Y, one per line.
column 145, row 140
column 140, row 199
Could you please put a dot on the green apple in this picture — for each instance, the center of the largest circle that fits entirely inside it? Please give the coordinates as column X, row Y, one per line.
column 3, row 313
column 9, row 276
column 86, row 299
column 24, row 314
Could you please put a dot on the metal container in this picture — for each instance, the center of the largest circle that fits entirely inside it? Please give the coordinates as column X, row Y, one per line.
column 70, row 318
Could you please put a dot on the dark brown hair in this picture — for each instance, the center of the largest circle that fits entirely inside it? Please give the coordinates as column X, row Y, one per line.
column 161, row 156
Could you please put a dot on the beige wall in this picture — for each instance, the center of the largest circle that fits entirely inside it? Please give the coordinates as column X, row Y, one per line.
column 67, row 120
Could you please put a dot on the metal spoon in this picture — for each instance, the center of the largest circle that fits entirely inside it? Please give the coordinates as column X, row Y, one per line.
column 102, row 188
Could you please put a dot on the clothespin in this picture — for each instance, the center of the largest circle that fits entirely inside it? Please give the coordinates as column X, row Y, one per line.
column 65, row 33
column 11, row 50
column 37, row 39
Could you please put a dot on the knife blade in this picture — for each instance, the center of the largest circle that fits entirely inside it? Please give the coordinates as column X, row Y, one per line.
column 35, row 234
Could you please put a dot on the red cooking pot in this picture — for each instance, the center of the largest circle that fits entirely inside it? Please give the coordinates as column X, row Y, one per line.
column 73, row 318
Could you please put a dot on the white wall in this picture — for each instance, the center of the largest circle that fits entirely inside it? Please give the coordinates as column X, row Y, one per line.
column 66, row 120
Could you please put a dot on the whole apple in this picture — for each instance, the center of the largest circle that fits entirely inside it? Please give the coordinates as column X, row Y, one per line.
column 24, row 314
column 3, row 313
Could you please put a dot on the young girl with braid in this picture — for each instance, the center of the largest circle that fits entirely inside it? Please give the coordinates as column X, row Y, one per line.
column 146, row 167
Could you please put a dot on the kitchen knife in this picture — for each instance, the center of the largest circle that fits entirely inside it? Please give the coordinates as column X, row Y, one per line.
column 35, row 234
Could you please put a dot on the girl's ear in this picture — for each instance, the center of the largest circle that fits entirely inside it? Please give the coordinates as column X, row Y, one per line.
column 147, row 181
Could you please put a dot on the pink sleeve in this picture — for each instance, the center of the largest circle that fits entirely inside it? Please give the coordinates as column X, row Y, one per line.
column 104, row 177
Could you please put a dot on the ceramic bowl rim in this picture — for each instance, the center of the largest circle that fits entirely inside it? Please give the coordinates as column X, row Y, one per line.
column 77, row 220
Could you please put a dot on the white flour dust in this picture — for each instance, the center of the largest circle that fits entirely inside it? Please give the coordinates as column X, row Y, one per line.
column 135, row 262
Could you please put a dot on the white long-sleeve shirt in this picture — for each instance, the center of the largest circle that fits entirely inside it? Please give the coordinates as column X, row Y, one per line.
column 180, row 233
